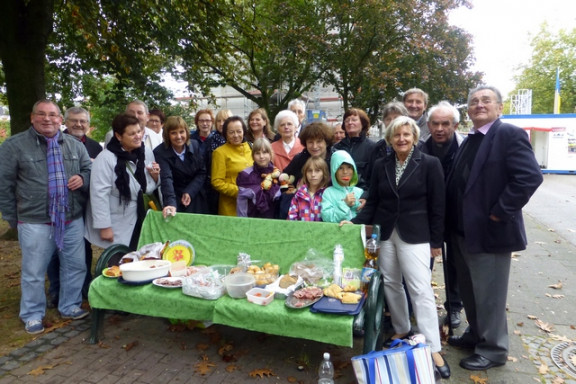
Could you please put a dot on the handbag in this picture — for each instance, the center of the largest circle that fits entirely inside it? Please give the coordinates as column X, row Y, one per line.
column 402, row 363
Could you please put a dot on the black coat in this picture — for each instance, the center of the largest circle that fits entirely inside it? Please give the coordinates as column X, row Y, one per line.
column 415, row 208
column 178, row 177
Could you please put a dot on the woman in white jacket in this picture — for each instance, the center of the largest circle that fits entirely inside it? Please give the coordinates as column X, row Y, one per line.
column 118, row 179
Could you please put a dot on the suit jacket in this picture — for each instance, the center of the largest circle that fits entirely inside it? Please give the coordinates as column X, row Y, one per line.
column 179, row 177
column 503, row 177
column 415, row 208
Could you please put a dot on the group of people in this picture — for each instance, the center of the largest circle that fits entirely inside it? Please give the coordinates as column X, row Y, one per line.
column 423, row 184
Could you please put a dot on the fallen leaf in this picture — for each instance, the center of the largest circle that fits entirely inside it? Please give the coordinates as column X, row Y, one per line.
column 129, row 346
column 539, row 242
column 231, row 368
column 202, row 346
column 558, row 241
column 558, row 380
column 517, row 333
column 532, row 317
column 262, row 372
column 558, row 285
column 204, row 367
column 551, row 230
column 546, row 327
column 41, row 370
column 572, row 327
column 225, row 348
column 520, row 324
column 543, row 369
column 560, row 338
column 516, row 255
column 102, row 345
column 558, row 296
column 512, row 359
column 478, row 379
column 292, row 379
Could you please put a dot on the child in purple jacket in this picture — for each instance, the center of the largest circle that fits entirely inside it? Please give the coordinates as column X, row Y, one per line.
column 258, row 188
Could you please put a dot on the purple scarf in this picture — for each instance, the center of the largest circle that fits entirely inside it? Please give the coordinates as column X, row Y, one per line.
column 57, row 189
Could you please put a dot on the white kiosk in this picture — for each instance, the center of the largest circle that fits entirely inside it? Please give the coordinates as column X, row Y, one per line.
column 553, row 138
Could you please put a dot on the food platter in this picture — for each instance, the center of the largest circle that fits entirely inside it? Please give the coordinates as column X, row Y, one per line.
column 292, row 302
column 168, row 282
column 179, row 250
column 310, row 295
column 107, row 272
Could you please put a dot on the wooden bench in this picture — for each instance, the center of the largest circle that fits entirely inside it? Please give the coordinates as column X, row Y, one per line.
column 218, row 240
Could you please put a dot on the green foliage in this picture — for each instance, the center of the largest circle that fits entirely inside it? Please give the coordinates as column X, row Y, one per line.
column 550, row 51
column 4, row 130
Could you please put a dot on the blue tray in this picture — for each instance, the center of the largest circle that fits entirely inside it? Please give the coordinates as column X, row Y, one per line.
column 332, row 305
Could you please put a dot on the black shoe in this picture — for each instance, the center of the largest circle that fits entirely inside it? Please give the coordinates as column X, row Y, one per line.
column 461, row 342
column 390, row 340
column 478, row 363
column 454, row 319
column 444, row 370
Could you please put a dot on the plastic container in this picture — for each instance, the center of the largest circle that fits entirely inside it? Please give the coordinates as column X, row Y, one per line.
column 326, row 370
column 260, row 296
column 221, row 270
column 238, row 284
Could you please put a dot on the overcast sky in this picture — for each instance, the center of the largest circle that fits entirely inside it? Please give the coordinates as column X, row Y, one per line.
column 503, row 29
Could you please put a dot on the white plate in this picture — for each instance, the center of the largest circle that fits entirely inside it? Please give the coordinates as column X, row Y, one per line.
column 168, row 282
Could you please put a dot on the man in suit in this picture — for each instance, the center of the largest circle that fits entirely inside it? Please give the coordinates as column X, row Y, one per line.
column 494, row 175
column 444, row 141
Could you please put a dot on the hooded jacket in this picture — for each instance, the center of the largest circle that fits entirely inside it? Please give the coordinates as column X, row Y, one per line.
column 334, row 209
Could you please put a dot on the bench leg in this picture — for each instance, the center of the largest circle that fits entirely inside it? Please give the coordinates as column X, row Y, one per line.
column 96, row 326
column 374, row 309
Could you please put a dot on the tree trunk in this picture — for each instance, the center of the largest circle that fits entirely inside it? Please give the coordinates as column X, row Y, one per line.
column 24, row 30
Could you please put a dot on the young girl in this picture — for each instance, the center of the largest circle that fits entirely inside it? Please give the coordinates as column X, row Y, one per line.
column 306, row 203
column 258, row 192
column 342, row 200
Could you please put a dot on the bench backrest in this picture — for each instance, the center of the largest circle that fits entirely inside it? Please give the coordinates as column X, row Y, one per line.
column 219, row 239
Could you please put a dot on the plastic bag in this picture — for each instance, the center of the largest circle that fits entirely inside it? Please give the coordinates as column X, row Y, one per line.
column 205, row 284
column 315, row 269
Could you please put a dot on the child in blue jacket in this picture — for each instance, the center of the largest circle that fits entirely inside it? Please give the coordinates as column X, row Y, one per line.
column 342, row 199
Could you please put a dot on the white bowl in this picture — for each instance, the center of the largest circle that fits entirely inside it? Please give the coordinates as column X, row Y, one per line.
column 237, row 284
column 145, row 270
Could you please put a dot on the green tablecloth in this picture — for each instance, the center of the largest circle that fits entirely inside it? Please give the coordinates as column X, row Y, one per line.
column 218, row 240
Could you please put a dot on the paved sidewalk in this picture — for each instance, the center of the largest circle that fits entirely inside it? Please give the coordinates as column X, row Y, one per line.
column 140, row 349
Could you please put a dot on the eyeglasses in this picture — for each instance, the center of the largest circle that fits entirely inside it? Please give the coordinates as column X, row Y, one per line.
column 50, row 115
column 484, row 101
column 78, row 121
column 205, row 121
column 152, row 121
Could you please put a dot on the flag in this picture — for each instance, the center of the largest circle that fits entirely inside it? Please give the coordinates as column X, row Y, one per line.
column 557, row 93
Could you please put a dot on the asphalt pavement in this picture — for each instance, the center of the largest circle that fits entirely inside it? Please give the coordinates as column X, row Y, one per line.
column 138, row 349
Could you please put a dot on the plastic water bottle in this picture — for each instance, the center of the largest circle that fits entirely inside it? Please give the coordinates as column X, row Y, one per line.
column 326, row 371
column 338, row 259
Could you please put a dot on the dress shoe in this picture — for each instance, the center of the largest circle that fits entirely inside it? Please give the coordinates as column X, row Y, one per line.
column 478, row 363
column 444, row 370
column 454, row 319
column 389, row 340
column 460, row 342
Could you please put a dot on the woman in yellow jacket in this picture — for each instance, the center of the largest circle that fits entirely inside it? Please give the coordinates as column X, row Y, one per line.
column 229, row 160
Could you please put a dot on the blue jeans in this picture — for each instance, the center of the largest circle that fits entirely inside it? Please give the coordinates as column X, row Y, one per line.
column 38, row 245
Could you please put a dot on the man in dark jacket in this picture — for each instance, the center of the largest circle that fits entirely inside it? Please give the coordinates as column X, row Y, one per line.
column 494, row 175
column 443, row 143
